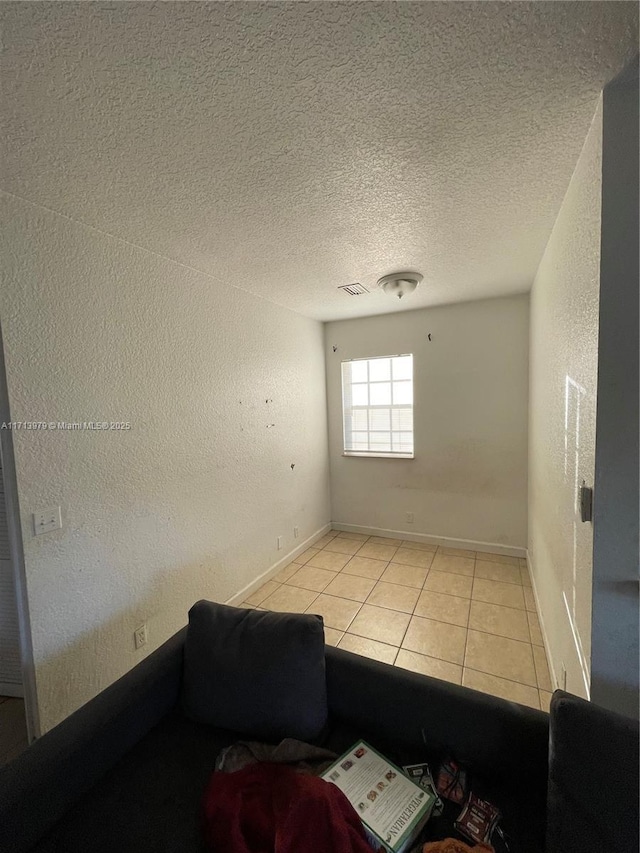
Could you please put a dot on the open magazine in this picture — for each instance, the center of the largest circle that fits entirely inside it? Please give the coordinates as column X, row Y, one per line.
column 392, row 807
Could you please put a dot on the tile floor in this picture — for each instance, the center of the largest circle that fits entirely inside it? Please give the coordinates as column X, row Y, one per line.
column 462, row 616
column 13, row 729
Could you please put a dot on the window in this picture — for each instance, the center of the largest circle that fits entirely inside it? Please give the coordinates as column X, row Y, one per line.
column 377, row 406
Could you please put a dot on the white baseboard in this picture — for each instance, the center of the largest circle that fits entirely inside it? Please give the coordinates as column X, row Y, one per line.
column 555, row 681
column 9, row 689
column 241, row 596
column 427, row 539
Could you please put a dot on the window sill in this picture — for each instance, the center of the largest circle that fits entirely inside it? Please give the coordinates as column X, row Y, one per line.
column 369, row 455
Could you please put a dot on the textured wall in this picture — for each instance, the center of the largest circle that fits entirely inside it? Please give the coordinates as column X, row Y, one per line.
column 562, row 408
column 468, row 479
column 298, row 146
column 189, row 502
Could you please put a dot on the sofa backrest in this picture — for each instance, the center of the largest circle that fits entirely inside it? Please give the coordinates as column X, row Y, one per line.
column 592, row 804
column 494, row 736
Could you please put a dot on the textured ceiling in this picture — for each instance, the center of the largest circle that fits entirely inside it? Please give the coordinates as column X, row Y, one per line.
column 288, row 148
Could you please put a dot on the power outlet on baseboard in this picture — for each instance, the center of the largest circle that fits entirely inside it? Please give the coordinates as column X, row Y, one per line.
column 279, row 543
column 296, row 532
column 409, row 518
column 140, row 636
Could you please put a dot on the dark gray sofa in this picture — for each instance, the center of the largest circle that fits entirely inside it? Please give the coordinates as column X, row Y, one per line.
column 126, row 772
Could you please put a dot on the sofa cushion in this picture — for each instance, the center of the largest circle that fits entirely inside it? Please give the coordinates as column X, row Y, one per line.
column 256, row 672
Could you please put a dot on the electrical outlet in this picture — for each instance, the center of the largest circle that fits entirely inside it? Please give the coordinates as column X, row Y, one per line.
column 279, row 543
column 46, row 520
column 140, row 636
column 409, row 518
column 296, row 532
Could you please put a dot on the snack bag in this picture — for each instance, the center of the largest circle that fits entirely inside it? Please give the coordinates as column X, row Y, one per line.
column 452, row 781
column 477, row 819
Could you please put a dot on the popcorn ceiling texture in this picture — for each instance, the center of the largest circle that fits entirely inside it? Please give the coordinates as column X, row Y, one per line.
column 562, row 416
column 289, row 148
column 223, row 391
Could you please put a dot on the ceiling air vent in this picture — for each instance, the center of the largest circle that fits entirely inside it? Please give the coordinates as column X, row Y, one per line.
column 354, row 289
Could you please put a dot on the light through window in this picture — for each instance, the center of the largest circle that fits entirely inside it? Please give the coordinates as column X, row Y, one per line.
column 377, row 406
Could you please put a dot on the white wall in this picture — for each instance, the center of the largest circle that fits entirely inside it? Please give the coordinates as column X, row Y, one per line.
column 187, row 504
column 469, row 477
column 562, row 406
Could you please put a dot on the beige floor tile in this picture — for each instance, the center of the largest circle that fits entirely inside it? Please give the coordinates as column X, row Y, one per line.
column 284, row 574
column 324, row 541
column 529, row 600
column 499, row 620
column 365, row 567
column 525, row 580
column 308, row 577
column 306, row 556
column 331, row 636
column 511, row 690
column 339, row 545
column 545, row 699
column 498, row 572
column 289, row 599
column 453, row 563
column 429, row 666
column 496, row 592
column 377, row 623
column 449, row 583
column 384, row 540
column 456, row 552
column 419, row 546
column 435, row 639
column 336, row 612
column 542, row 668
column 405, row 575
column 443, row 608
column 510, row 659
column 497, row 558
column 246, row 606
column 411, row 557
column 377, row 552
column 534, row 629
column 358, row 537
column 522, row 562
column 368, row 648
column 394, row 596
column 350, row 586
column 329, row 560
column 265, row 591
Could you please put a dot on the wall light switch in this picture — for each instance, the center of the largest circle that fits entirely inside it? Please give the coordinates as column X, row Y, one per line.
column 46, row 520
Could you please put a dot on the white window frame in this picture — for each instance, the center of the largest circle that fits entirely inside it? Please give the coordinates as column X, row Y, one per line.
column 348, row 410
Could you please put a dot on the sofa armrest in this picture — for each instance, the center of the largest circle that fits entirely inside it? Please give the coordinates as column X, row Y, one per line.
column 55, row 771
column 593, row 779
column 495, row 737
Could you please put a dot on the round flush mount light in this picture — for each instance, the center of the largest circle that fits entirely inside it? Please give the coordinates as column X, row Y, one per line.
column 400, row 283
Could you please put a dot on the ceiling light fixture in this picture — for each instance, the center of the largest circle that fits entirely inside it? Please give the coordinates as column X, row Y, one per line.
column 400, row 283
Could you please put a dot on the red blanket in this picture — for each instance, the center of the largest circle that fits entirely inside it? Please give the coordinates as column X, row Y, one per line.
column 271, row 808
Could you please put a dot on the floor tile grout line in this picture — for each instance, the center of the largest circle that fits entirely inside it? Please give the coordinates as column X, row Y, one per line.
column 510, row 680
column 420, row 590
